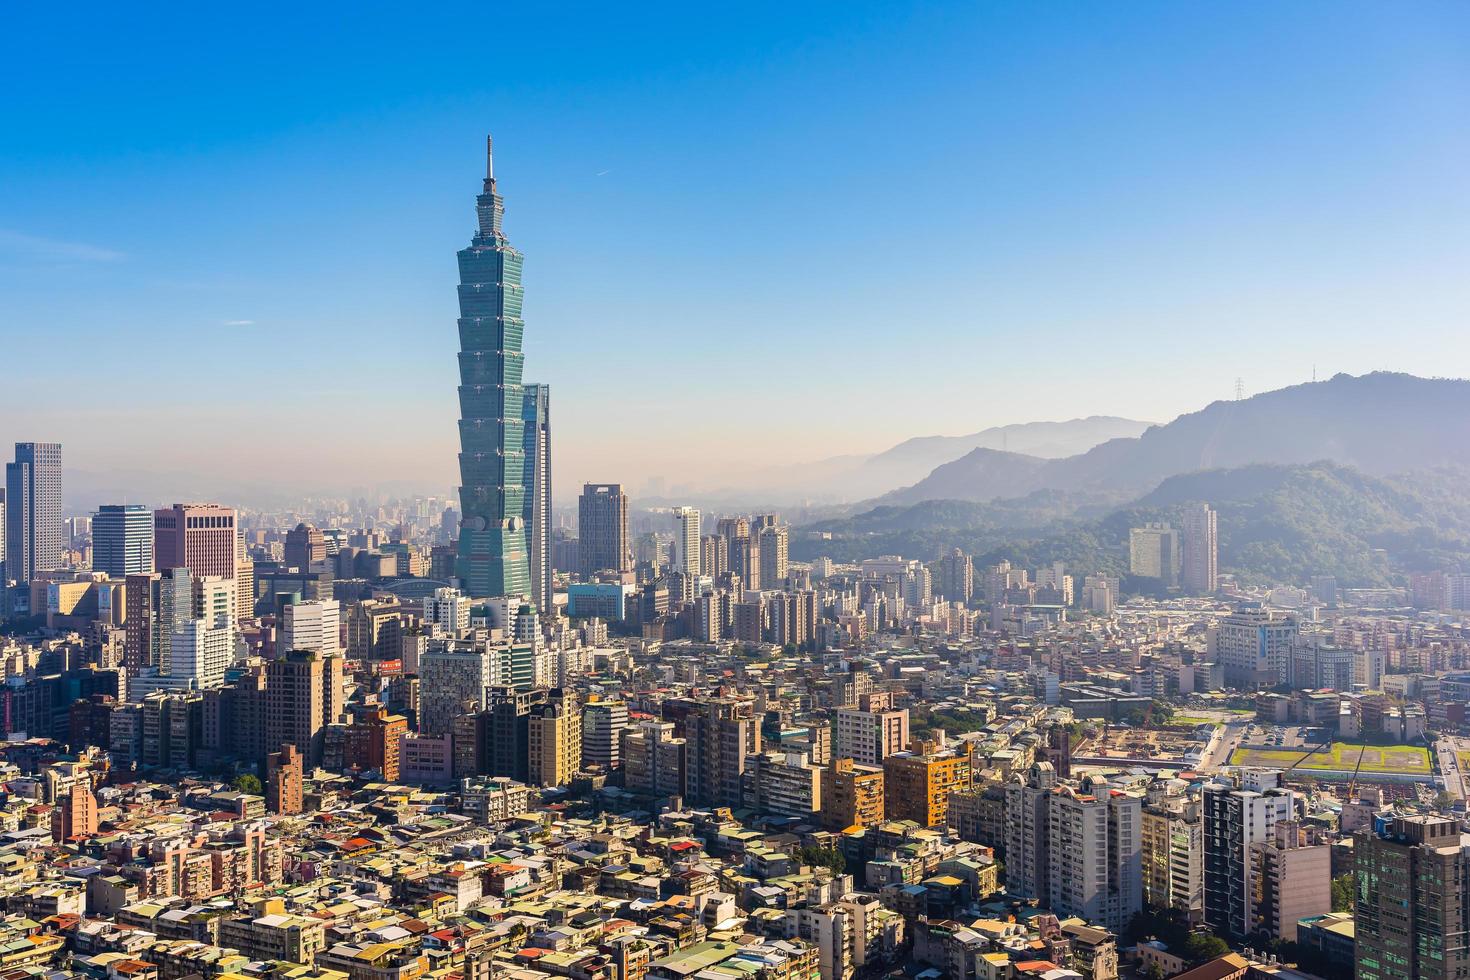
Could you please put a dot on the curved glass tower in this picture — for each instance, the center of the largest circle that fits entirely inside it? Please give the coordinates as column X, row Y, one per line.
column 492, row 558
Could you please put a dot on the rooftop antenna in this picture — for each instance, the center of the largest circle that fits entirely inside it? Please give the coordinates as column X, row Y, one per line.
column 1239, row 388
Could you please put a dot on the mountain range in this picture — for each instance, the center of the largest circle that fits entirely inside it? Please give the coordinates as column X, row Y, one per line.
column 1359, row 477
column 1378, row 423
column 856, row 477
column 1276, row 523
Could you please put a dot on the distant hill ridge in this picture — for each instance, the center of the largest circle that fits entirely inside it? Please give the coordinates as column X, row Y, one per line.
column 1379, row 423
column 858, row 477
column 1277, row 523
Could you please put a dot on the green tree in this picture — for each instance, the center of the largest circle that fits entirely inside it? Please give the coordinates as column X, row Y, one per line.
column 1344, row 891
column 1201, row 947
column 823, row 857
column 246, row 783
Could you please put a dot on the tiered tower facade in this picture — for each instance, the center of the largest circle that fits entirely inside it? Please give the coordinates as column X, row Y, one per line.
column 492, row 557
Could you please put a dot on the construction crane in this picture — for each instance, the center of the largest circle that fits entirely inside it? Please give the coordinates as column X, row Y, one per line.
column 1313, row 751
column 1353, row 783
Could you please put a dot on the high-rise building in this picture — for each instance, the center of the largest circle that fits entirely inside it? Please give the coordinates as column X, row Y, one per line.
column 1200, row 574
column 1153, row 552
column 508, row 734
column 305, row 546
column 199, row 537
column 140, row 639
column 722, row 737
column 603, row 723
column 1412, row 916
column 244, row 581
column 917, row 786
column 492, row 554
column 33, row 526
column 447, row 613
column 372, row 743
column 451, row 674
column 1292, row 881
column 688, row 554
column 303, row 695
column 774, row 548
column 714, row 555
column 1253, row 645
column 1095, row 853
column 869, row 737
column 554, row 740
column 1237, row 817
column 602, row 529
column 122, row 540
column 313, row 625
column 743, row 550
column 375, row 630
column 536, row 414
column 1173, row 853
column 785, row 784
column 655, row 763
column 1027, row 833
column 956, row 576
column 184, row 637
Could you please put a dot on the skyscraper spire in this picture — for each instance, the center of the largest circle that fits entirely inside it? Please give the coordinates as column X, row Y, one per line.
column 488, row 206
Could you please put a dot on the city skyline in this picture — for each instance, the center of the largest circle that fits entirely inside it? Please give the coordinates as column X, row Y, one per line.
column 998, row 157
column 828, row 673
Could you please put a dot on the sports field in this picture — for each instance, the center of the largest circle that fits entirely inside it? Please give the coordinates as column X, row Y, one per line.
column 1341, row 755
column 1192, row 720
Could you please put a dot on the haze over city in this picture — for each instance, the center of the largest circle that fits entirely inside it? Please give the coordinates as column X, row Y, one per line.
column 761, row 237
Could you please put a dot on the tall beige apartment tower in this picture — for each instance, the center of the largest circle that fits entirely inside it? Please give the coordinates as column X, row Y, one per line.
column 303, row 694
column 775, row 545
column 689, row 558
column 554, row 741
column 1200, row 572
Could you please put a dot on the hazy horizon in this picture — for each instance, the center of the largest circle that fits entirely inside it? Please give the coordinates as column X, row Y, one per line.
column 777, row 237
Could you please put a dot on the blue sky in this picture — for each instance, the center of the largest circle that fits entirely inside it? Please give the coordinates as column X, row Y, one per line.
column 766, row 233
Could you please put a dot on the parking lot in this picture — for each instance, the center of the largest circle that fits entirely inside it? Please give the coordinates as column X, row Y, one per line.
column 1262, row 735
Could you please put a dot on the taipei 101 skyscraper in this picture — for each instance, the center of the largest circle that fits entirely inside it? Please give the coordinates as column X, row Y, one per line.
column 492, row 557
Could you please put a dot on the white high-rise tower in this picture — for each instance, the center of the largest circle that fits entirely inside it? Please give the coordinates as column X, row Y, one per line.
column 688, row 558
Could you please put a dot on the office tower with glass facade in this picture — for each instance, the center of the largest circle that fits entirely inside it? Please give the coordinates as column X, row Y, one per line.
column 1412, row 910
column 33, row 533
column 1153, row 552
column 122, row 540
column 602, row 529
column 492, row 557
column 536, row 415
